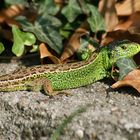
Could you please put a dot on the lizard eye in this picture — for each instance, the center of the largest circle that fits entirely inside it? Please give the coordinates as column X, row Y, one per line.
column 124, row 47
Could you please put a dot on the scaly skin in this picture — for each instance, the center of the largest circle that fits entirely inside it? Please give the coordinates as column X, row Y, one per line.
column 71, row 75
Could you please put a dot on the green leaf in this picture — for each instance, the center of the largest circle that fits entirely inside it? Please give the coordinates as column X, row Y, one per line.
column 51, row 20
column 23, row 2
column 68, row 28
column 34, row 49
column 49, row 7
column 20, row 40
column 72, row 10
column 84, row 53
column 1, row 48
column 125, row 65
column 95, row 20
column 46, row 30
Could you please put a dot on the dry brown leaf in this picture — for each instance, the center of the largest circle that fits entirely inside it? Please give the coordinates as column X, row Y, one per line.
column 107, row 9
column 132, row 24
column 120, row 35
column 60, row 2
column 10, row 12
column 73, row 43
column 131, row 79
column 127, row 7
column 44, row 52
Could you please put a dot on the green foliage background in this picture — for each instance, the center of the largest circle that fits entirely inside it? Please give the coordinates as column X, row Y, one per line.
column 53, row 24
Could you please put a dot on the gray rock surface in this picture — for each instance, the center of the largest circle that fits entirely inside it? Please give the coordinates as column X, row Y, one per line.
column 34, row 116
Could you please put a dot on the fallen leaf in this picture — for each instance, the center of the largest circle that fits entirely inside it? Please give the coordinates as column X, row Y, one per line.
column 10, row 12
column 120, row 35
column 59, row 2
column 127, row 7
column 73, row 43
column 44, row 52
column 132, row 24
column 108, row 11
column 131, row 79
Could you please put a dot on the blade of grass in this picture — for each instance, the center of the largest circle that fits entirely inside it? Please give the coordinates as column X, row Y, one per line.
column 66, row 121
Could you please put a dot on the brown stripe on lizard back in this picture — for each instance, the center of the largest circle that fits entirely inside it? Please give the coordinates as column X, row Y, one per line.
column 29, row 72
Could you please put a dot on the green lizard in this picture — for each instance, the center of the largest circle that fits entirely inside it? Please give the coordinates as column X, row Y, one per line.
column 56, row 77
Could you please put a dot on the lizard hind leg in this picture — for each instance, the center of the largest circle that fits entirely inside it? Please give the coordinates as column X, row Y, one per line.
column 41, row 84
column 47, row 87
column 45, row 84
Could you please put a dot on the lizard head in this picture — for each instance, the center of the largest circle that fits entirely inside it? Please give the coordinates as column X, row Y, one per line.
column 125, row 49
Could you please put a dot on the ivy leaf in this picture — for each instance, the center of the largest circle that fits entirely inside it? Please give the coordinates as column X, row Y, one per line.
column 125, row 65
column 45, row 29
column 48, row 6
column 21, row 2
column 1, row 48
column 84, row 52
column 20, row 40
column 34, row 49
column 95, row 20
column 72, row 10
